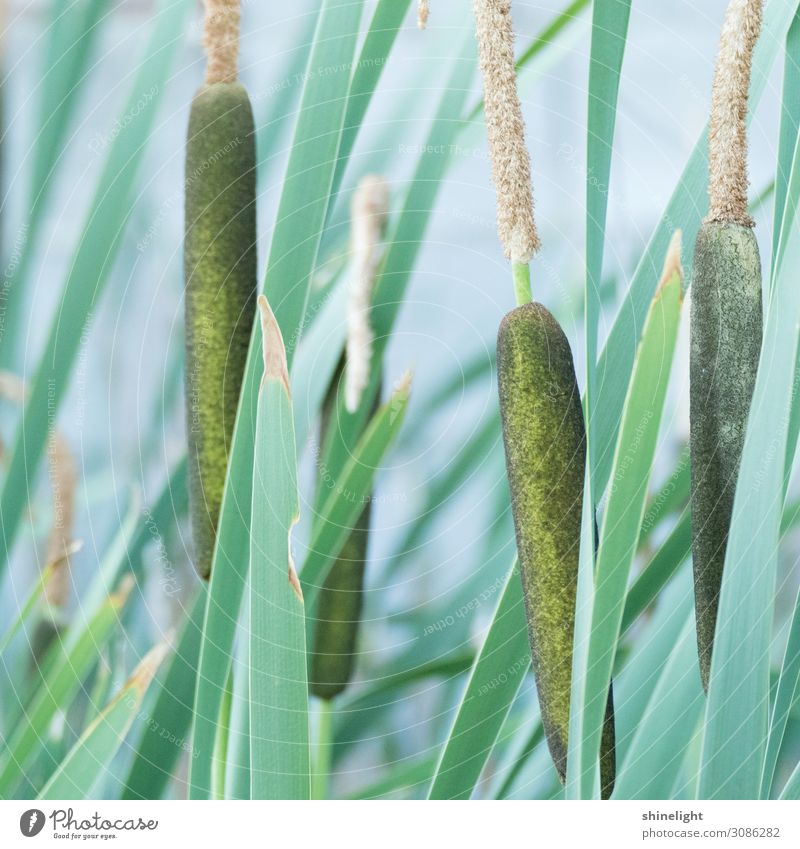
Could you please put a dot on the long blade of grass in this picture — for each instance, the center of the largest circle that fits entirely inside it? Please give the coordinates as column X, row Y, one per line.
column 662, row 567
column 293, row 255
column 496, row 676
column 619, row 534
column 91, row 756
column 656, row 752
column 787, row 137
column 170, row 718
column 383, row 30
column 279, row 741
column 791, row 790
column 57, row 691
column 349, row 492
column 687, row 205
column 785, row 696
column 609, row 34
column 27, row 607
column 737, row 715
column 90, row 267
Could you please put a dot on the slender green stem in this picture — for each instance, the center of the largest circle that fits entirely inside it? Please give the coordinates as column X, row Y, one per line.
column 324, row 749
column 522, row 282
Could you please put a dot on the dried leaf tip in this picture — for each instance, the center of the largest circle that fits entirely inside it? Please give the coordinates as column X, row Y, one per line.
column 423, row 10
column 403, row 385
column 672, row 260
column 221, row 40
column 727, row 140
column 148, row 665
column 505, row 129
column 275, row 366
column 369, row 210
column 294, row 581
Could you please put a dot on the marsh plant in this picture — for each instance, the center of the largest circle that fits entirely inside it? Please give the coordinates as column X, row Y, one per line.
column 268, row 567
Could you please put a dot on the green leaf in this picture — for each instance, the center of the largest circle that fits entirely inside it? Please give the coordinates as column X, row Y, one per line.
column 381, row 36
column 785, row 695
column 279, row 739
column 609, row 34
column 619, row 534
column 665, row 729
column 663, row 565
column 91, row 265
column 496, row 676
column 164, row 735
column 91, row 756
column 70, row 667
column 787, row 138
column 349, row 492
column 737, row 715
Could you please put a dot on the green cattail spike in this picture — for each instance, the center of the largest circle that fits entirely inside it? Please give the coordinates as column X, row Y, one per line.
column 339, row 610
column 220, row 268
column 543, row 427
column 726, row 322
column 545, row 443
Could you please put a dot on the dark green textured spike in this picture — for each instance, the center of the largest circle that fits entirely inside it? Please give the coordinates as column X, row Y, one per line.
column 220, row 272
column 339, row 609
column 726, row 331
column 545, row 442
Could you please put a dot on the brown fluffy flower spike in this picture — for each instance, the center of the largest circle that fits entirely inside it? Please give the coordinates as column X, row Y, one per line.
column 511, row 167
column 727, row 141
column 221, row 40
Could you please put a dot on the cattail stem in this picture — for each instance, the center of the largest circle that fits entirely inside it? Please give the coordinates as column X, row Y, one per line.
column 521, row 272
column 324, row 747
column 511, row 169
column 727, row 141
column 221, row 40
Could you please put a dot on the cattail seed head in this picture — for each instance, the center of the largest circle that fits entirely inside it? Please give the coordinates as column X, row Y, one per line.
column 221, row 40
column 423, row 10
column 727, row 141
column 511, row 167
column 369, row 210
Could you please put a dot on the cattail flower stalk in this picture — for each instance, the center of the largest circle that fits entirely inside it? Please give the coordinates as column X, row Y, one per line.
column 370, row 209
column 511, row 168
column 726, row 322
column 727, row 141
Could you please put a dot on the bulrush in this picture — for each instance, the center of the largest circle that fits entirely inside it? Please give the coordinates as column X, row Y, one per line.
column 219, row 266
column 726, row 321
